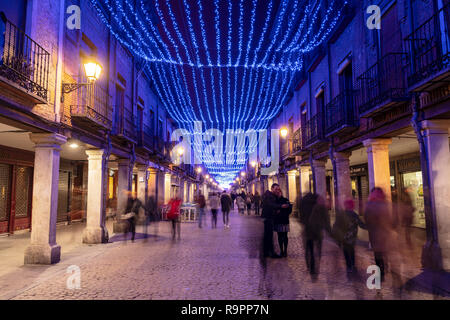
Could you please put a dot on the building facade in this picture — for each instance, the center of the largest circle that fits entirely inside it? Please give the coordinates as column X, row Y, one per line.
column 71, row 148
column 372, row 109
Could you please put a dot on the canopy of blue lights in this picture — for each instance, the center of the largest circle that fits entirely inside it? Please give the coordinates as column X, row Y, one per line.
column 229, row 64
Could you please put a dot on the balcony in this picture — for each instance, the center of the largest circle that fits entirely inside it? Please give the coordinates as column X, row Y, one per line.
column 341, row 115
column 298, row 142
column 90, row 109
column 125, row 126
column 24, row 65
column 145, row 138
column 382, row 85
column 428, row 63
column 314, row 133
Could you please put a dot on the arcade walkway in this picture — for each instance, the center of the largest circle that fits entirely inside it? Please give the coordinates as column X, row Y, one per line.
column 205, row 264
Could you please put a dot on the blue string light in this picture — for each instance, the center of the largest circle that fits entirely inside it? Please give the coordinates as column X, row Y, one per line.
column 259, row 72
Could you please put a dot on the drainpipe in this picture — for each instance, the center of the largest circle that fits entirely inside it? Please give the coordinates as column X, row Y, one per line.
column 331, row 140
column 59, row 63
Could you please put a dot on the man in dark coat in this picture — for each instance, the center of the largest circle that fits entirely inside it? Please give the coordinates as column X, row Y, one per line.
column 225, row 202
column 269, row 209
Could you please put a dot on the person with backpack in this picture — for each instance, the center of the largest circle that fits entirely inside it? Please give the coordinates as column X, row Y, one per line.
column 173, row 214
column 345, row 232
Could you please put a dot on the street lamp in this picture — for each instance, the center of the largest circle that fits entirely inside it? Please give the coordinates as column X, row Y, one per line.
column 180, row 151
column 92, row 70
column 242, row 174
column 253, row 164
column 283, row 132
column 207, row 176
column 199, row 170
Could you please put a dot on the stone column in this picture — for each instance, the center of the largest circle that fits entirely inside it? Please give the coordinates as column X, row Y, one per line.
column 43, row 248
column 95, row 231
column 152, row 182
column 142, row 184
column 344, row 182
column 436, row 134
column 160, row 187
column 292, row 185
column 183, row 190
column 124, row 184
column 167, row 186
column 320, row 180
column 282, row 181
column 379, row 169
column 304, row 180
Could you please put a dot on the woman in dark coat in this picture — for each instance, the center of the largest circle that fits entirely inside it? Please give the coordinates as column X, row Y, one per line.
column 281, row 223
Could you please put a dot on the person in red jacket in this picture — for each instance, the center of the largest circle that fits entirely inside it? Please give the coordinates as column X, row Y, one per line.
column 173, row 214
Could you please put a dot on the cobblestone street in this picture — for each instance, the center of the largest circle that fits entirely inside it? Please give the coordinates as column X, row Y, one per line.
column 205, row 264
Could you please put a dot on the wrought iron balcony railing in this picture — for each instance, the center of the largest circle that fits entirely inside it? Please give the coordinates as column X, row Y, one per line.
column 23, row 61
column 382, row 84
column 429, row 50
column 125, row 125
column 297, row 141
column 341, row 113
column 89, row 107
column 145, row 137
column 314, row 130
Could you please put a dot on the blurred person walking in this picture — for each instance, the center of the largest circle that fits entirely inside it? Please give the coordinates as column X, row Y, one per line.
column 315, row 220
column 151, row 214
column 132, row 214
column 214, row 203
column 379, row 222
column 257, row 202
column 281, row 222
column 201, row 203
column 233, row 198
column 240, row 202
column 405, row 212
column 248, row 201
column 173, row 214
column 225, row 202
column 345, row 232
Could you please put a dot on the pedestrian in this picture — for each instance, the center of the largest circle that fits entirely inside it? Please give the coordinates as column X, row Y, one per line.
column 201, row 203
column 270, row 207
column 225, row 201
column 173, row 214
column 233, row 198
column 248, row 201
column 214, row 203
column 257, row 202
column 405, row 211
column 240, row 202
column 379, row 222
column 151, row 215
column 316, row 220
column 281, row 222
column 132, row 213
column 345, row 232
